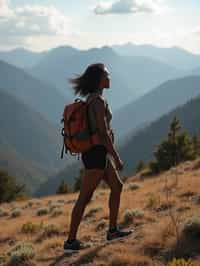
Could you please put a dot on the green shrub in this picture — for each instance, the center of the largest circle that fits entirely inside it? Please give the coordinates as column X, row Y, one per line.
column 57, row 211
column 133, row 186
column 181, row 262
column 9, row 189
column 42, row 211
column 153, row 201
column 30, row 228
column 92, row 212
column 3, row 212
column 191, row 227
column 129, row 215
column 16, row 213
column 21, row 252
column 49, row 230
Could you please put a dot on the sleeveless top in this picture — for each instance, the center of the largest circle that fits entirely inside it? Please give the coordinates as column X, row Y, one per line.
column 91, row 112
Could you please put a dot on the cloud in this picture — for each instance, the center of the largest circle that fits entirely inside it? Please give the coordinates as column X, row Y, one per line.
column 5, row 11
column 129, row 6
column 32, row 20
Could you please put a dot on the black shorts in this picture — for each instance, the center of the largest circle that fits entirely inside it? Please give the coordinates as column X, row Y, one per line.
column 96, row 157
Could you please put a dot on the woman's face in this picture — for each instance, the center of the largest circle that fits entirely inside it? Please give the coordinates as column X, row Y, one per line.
column 105, row 80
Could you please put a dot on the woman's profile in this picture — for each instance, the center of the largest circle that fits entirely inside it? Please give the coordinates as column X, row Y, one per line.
column 101, row 161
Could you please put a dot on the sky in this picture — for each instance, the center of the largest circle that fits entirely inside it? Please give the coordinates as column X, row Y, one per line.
column 41, row 25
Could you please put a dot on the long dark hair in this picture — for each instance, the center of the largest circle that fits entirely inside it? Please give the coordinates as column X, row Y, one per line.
column 89, row 81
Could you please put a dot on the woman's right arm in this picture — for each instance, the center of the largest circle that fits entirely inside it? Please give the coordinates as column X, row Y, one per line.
column 99, row 108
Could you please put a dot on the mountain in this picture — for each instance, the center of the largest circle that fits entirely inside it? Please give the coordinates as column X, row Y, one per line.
column 44, row 98
column 155, row 103
column 68, row 174
column 131, row 77
column 174, row 56
column 196, row 71
column 29, row 144
column 21, row 57
column 142, row 144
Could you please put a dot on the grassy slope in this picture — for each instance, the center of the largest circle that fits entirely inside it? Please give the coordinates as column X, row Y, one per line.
column 153, row 234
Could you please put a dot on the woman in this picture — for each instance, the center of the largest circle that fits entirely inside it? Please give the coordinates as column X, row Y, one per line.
column 98, row 160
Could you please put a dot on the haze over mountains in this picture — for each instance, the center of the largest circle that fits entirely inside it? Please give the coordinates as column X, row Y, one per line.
column 21, row 57
column 29, row 144
column 127, row 73
column 44, row 98
column 174, row 56
column 146, row 83
column 155, row 103
column 142, row 144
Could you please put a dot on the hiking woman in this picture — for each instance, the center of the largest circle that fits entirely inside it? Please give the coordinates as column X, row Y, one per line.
column 101, row 161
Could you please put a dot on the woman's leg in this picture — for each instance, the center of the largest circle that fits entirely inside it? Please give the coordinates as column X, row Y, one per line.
column 112, row 178
column 89, row 182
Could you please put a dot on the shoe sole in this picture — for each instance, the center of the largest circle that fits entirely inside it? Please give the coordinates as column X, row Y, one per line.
column 70, row 251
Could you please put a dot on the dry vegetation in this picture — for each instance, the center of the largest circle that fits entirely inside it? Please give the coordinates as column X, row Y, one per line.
column 164, row 211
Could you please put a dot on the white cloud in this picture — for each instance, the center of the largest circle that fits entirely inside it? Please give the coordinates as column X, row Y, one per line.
column 129, row 6
column 5, row 11
column 30, row 20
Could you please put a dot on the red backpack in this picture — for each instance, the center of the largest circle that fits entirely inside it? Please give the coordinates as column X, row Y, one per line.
column 76, row 132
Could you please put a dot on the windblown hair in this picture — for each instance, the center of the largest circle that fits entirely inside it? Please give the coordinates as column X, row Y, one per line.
column 89, row 81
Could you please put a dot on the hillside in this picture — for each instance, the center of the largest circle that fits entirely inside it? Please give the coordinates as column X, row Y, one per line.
column 29, row 144
column 174, row 56
column 43, row 98
column 141, row 145
column 154, row 104
column 21, row 57
column 144, row 207
column 131, row 77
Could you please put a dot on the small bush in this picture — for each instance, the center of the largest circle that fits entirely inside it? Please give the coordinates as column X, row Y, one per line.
column 42, row 211
column 3, row 212
column 61, row 201
column 191, row 227
column 133, row 186
column 30, row 228
column 16, row 213
column 21, row 252
column 101, row 225
column 129, row 215
column 153, row 201
column 92, row 212
column 55, row 206
column 146, row 172
column 181, row 262
column 49, row 230
column 56, row 212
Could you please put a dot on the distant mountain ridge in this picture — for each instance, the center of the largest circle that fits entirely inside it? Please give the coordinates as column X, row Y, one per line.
column 174, row 56
column 131, row 77
column 29, row 145
column 21, row 57
column 142, row 144
column 44, row 98
column 155, row 103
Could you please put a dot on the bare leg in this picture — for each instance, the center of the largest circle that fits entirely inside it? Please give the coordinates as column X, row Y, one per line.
column 112, row 178
column 89, row 182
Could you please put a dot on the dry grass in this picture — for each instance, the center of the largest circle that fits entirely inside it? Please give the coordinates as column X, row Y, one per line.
column 153, row 240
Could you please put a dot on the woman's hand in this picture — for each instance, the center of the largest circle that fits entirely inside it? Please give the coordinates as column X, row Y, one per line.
column 119, row 164
column 112, row 135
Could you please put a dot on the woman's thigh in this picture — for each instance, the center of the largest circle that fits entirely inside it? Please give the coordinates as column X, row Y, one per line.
column 111, row 176
column 89, row 182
